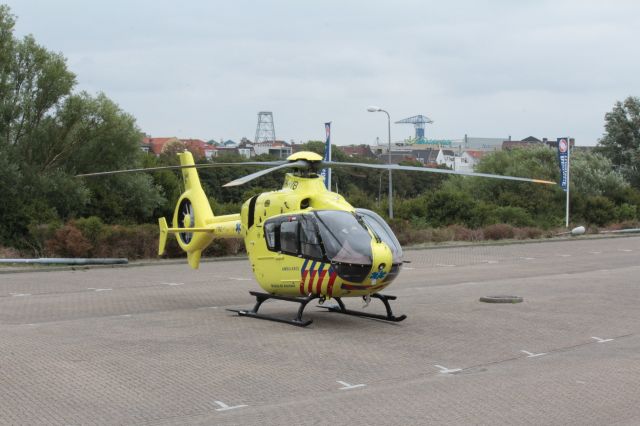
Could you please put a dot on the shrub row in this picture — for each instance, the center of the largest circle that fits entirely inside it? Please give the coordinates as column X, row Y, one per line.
column 90, row 237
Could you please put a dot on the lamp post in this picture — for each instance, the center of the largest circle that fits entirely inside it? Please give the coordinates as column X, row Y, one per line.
column 378, row 109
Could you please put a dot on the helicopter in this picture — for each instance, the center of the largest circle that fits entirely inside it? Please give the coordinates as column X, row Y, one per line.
column 304, row 242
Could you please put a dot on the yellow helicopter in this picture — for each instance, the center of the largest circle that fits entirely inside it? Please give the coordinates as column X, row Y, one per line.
column 303, row 241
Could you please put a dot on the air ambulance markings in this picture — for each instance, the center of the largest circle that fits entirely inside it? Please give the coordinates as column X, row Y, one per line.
column 532, row 355
column 225, row 407
column 347, row 386
column 445, row 370
column 599, row 340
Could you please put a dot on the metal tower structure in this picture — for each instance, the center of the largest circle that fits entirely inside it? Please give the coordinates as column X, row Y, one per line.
column 419, row 122
column 265, row 132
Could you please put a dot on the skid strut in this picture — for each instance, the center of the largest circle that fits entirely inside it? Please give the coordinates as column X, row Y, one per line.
column 261, row 297
column 341, row 309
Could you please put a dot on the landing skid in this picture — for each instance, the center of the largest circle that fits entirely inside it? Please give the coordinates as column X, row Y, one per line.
column 261, row 297
column 341, row 309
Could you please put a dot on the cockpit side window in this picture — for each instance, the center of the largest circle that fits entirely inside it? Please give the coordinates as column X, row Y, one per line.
column 272, row 235
column 310, row 245
column 289, row 237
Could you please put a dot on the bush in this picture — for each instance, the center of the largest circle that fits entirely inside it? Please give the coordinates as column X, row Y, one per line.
column 528, row 232
column 133, row 242
column 499, row 231
column 516, row 216
column 68, row 241
column 626, row 212
column 9, row 253
column 461, row 233
column 92, row 228
column 599, row 210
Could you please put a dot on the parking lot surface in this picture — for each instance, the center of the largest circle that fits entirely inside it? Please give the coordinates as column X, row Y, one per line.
column 155, row 344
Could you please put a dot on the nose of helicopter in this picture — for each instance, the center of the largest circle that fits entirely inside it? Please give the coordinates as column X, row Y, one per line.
column 382, row 261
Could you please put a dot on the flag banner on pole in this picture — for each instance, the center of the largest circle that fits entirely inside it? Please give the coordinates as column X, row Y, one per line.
column 563, row 158
column 326, row 173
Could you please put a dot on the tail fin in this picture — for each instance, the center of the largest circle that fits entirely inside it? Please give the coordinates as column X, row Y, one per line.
column 192, row 211
column 193, row 221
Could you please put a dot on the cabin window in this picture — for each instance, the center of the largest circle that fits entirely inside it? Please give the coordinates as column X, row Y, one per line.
column 289, row 237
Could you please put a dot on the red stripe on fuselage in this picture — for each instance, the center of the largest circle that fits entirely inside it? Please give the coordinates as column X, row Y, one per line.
column 313, row 275
column 332, row 279
column 320, row 280
column 304, row 277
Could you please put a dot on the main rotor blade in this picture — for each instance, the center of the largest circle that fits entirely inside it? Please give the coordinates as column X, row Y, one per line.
column 247, row 178
column 432, row 170
column 193, row 166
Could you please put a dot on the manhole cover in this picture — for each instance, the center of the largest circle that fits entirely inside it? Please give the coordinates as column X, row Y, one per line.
column 501, row 299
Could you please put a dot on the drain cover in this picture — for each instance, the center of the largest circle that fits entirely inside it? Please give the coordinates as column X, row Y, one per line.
column 501, row 299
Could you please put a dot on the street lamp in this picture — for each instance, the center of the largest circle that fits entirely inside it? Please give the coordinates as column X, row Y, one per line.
column 378, row 109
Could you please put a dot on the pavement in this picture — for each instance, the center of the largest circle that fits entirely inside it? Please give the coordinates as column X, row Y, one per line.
column 155, row 345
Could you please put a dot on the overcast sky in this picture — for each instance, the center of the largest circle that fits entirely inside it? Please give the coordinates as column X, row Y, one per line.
column 203, row 69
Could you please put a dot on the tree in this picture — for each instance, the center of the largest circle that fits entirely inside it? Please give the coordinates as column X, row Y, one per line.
column 621, row 141
column 48, row 134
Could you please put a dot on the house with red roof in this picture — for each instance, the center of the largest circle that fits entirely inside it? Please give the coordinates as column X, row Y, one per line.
column 157, row 146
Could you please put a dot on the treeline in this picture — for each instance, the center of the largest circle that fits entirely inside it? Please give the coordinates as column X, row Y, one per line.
column 49, row 133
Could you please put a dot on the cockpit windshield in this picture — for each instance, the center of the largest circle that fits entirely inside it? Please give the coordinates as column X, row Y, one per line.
column 345, row 237
column 382, row 231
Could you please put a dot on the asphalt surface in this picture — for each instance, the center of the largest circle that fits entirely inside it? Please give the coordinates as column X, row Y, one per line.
column 155, row 345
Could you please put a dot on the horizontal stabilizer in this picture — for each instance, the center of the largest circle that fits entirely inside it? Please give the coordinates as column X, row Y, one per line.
column 164, row 232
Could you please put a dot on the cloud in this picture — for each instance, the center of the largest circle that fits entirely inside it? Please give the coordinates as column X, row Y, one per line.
column 489, row 68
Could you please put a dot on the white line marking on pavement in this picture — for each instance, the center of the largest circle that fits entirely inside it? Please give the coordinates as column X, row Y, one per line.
column 444, row 265
column 624, row 250
column 445, row 370
column 100, row 289
column 532, row 355
column 172, row 284
column 599, row 340
column 225, row 407
column 528, row 258
column 125, row 316
column 346, row 386
column 490, row 261
column 595, row 252
column 239, row 279
column 581, row 382
column 565, row 255
column 208, row 307
column 408, row 268
column 20, row 294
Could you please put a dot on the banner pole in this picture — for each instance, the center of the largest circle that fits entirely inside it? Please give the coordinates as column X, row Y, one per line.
column 568, row 178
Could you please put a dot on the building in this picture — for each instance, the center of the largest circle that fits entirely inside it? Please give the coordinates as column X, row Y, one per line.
column 158, row 146
column 280, row 149
column 357, row 151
